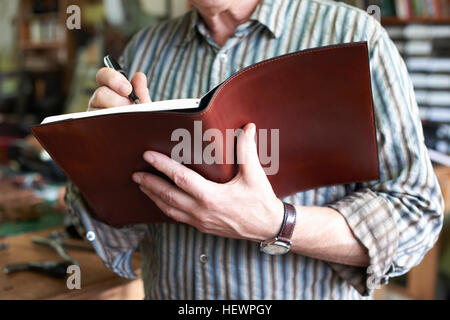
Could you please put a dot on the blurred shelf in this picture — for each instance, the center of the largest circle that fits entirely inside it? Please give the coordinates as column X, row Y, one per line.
column 43, row 16
column 45, row 31
column 42, row 45
column 414, row 20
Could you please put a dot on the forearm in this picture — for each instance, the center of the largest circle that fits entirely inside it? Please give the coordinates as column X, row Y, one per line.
column 322, row 233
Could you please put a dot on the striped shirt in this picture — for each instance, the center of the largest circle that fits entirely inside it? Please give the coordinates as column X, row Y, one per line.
column 397, row 218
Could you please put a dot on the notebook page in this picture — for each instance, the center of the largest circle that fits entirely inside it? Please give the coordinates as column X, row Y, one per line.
column 168, row 105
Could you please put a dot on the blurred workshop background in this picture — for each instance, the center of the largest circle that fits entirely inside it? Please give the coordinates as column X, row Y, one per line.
column 47, row 69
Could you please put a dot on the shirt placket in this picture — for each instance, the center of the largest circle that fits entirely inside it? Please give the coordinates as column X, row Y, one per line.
column 221, row 68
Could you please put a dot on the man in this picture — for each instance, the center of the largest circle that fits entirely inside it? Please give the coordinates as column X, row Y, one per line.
column 346, row 238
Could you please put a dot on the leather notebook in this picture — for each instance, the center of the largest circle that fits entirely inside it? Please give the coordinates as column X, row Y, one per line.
column 319, row 100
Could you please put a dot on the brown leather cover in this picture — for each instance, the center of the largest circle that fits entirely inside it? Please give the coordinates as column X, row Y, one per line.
column 320, row 99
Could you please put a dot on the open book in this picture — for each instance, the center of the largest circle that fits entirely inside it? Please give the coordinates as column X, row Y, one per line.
column 313, row 111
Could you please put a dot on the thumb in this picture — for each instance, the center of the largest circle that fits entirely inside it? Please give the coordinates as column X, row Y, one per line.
column 247, row 154
column 140, row 86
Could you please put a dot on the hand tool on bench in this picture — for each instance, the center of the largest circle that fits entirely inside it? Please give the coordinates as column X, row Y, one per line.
column 52, row 269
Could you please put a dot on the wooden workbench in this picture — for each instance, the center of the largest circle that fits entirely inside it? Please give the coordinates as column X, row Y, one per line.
column 97, row 282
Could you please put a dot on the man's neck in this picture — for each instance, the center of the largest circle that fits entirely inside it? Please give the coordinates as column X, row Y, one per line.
column 222, row 22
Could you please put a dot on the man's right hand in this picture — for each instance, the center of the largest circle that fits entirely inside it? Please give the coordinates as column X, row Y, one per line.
column 114, row 90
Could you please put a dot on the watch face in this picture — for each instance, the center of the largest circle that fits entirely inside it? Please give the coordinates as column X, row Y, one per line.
column 275, row 248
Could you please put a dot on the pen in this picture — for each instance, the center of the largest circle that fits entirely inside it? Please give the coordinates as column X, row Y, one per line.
column 110, row 62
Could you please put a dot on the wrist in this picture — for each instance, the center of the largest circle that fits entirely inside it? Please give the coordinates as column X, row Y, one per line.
column 275, row 220
column 282, row 242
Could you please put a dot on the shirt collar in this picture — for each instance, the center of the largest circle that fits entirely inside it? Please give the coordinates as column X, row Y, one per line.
column 266, row 13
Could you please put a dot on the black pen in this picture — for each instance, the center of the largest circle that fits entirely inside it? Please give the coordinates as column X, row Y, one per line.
column 110, row 62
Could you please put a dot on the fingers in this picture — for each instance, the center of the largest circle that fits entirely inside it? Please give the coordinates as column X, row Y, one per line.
column 247, row 153
column 140, row 86
column 170, row 194
column 107, row 77
column 171, row 212
column 114, row 89
column 186, row 179
column 104, row 97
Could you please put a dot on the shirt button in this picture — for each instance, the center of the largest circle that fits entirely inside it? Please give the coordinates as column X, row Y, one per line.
column 203, row 258
column 223, row 57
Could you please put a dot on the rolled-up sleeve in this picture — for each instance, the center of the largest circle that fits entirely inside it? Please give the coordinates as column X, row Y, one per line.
column 114, row 246
column 397, row 218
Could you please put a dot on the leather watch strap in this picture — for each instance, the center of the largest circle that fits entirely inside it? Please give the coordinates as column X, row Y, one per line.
column 287, row 228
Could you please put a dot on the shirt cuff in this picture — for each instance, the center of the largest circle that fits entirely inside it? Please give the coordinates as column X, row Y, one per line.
column 114, row 246
column 370, row 218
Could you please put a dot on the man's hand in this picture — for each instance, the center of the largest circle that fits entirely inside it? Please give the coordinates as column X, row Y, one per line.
column 114, row 89
column 244, row 208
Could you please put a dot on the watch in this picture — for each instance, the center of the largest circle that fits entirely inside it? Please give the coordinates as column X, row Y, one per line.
column 282, row 243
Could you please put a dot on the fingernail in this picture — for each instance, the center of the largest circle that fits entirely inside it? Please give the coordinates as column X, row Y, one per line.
column 137, row 177
column 149, row 157
column 252, row 130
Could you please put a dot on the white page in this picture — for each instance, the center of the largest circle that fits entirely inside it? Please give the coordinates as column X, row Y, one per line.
column 168, row 105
